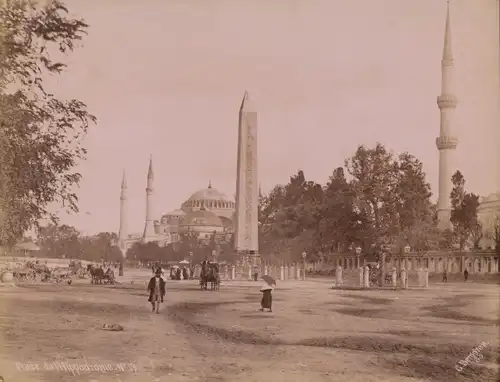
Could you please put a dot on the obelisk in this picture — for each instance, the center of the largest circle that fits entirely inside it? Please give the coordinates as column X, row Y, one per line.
column 247, row 185
column 123, row 232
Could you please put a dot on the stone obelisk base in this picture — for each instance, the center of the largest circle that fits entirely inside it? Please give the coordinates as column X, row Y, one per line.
column 249, row 257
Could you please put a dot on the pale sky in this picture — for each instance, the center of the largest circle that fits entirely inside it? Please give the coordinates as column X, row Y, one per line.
column 165, row 78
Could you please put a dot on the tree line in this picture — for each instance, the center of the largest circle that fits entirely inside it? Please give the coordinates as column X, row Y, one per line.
column 377, row 200
column 64, row 241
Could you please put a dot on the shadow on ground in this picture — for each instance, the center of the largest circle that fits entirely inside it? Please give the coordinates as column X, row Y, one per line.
column 435, row 362
column 446, row 310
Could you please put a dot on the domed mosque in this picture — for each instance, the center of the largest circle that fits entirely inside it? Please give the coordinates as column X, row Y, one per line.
column 205, row 212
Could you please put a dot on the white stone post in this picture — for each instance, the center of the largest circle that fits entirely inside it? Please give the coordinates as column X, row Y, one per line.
column 233, row 272
column 282, row 273
column 338, row 277
column 366, row 275
column 394, row 277
column 249, row 273
column 265, row 270
column 298, row 272
column 404, row 279
column 361, row 277
column 426, row 278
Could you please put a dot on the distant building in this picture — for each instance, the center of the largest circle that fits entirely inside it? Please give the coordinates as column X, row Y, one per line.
column 204, row 213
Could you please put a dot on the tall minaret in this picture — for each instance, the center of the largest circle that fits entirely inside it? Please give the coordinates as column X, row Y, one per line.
column 149, row 228
column 446, row 142
column 123, row 232
column 247, row 185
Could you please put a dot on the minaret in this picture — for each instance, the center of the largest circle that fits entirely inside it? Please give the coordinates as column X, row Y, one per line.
column 247, row 185
column 123, row 232
column 149, row 228
column 446, row 142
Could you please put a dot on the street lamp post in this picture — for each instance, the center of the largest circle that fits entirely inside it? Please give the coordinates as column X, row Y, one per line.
column 304, row 255
column 407, row 250
column 358, row 253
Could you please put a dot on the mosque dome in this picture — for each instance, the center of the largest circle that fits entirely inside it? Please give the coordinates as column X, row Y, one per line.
column 201, row 218
column 175, row 213
column 210, row 198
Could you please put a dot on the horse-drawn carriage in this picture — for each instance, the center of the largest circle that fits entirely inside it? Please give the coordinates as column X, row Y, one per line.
column 24, row 273
column 40, row 269
column 210, row 274
column 98, row 276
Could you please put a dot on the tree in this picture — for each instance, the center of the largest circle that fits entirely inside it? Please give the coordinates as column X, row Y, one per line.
column 416, row 224
column 289, row 216
column 375, row 182
column 464, row 208
column 59, row 241
column 40, row 135
column 340, row 223
column 145, row 252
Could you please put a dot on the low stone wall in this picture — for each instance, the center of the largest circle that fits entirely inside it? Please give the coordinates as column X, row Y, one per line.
column 360, row 278
column 434, row 262
column 245, row 272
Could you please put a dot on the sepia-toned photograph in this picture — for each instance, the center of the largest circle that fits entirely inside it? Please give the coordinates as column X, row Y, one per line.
column 249, row 190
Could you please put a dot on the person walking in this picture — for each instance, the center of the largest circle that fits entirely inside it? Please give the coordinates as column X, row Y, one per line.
column 267, row 298
column 466, row 275
column 445, row 276
column 156, row 288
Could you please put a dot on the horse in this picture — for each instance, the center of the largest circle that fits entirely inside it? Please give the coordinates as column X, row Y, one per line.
column 210, row 274
column 96, row 274
column 203, row 276
column 214, row 277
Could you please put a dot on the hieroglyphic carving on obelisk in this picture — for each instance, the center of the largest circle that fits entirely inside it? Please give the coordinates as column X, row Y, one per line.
column 247, row 185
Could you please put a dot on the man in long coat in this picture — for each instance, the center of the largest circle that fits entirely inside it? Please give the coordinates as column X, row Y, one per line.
column 156, row 288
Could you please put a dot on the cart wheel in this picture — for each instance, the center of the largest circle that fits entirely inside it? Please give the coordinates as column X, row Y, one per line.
column 31, row 276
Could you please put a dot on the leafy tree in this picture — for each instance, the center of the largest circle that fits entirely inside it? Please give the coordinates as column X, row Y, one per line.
column 464, row 211
column 103, row 247
column 375, row 182
column 40, row 135
column 59, row 241
column 145, row 252
column 340, row 222
column 289, row 217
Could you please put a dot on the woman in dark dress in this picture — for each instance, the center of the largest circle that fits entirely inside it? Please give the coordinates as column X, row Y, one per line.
column 267, row 298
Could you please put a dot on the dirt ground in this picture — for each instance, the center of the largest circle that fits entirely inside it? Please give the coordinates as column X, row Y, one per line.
column 313, row 334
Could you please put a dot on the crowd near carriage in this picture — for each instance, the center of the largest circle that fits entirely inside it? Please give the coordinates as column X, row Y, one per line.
column 32, row 270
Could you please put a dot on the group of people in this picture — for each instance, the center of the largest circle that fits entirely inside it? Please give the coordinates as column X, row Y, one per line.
column 445, row 275
column 157, row 291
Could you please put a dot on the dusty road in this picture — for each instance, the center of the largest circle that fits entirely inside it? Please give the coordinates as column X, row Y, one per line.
column 314, row 334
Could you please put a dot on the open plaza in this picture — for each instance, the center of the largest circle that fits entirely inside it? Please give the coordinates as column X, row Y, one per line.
column 315, row 333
